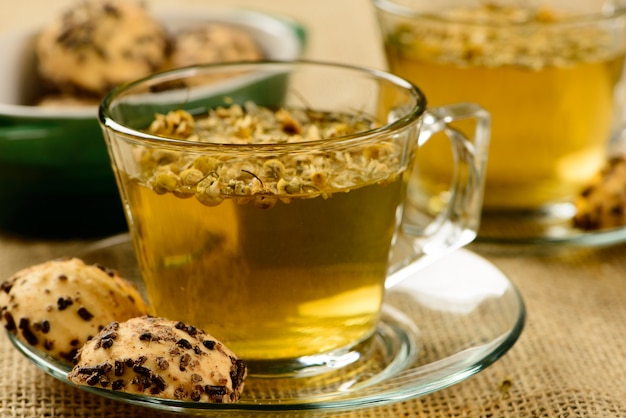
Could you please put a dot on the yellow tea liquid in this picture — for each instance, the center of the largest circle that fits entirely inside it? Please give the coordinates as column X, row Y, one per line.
column 295, row 279
column 278, row 253
column 551, row 116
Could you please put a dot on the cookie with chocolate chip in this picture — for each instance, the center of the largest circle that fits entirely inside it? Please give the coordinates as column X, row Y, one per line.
column 99, row 44
column 602, row 204
column 212, row 43
column 162, row 358
column 58, row 305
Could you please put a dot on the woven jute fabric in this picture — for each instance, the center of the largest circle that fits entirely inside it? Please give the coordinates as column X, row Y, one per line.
column 570, row 360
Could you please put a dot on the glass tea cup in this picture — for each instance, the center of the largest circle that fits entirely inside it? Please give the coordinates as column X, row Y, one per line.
column 549, row 72
column 265, row 200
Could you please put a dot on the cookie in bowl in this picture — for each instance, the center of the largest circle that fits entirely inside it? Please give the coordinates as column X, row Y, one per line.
column 51, row 145
column 99, row 44
column 213, row 43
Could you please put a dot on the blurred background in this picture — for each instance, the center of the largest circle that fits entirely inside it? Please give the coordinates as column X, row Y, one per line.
column 323, row 44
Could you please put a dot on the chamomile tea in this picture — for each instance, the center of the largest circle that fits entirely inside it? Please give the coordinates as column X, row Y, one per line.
column 549, row 84
column 279, row 256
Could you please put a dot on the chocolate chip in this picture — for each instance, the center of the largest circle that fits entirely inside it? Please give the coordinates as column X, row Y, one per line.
column 107, row 342
column 7, row 285
column 142, row 382
column 146, row 336
column 84, row 313
column 101, row 52
column 195, row 378
column 99, row 369
column 9, row 321
column 179, row 393
column 192, row 330
column 48, row 345
column 184, row 343
column 159, row 383
column 140, row 360
column 74, row 342
column 111, row 334
column 617, row 210
column 105, row 269
column 104, row 381
column 112, row 11
column 184, row 362
column 93, row 379
column 210, row 344
column 141, row 370
column 118, row 384
column 162, row 363
column 28, row 335
column 196, row 394
column 62, row 277
column 215, row 391
column 238, row 373
column 63, row 303
column 45, row 326
column 118, row 368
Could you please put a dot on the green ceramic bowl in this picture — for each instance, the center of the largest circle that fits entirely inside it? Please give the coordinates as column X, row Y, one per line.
column 56, row 179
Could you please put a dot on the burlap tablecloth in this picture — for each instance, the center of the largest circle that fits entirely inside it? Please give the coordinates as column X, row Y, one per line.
column 569, row 362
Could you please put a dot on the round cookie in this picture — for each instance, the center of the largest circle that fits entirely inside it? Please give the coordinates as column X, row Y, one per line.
column 59, row 305
column 98, row 45
column 161, row 358
column 602, row 204
column 213, row 43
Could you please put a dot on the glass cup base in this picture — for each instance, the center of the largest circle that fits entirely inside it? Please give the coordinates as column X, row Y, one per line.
column 391, row 349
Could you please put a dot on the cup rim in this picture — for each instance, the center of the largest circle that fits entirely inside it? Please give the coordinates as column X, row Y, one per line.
column 393, row 7
column 108, row 122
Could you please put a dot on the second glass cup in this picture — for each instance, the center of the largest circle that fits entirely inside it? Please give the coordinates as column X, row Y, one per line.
column 551, row 74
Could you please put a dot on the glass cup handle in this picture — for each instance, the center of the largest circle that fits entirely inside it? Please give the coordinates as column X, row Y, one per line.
column 457, row 223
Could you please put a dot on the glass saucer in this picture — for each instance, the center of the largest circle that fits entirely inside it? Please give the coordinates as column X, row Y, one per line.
column 543, row 228
column 456, row 317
